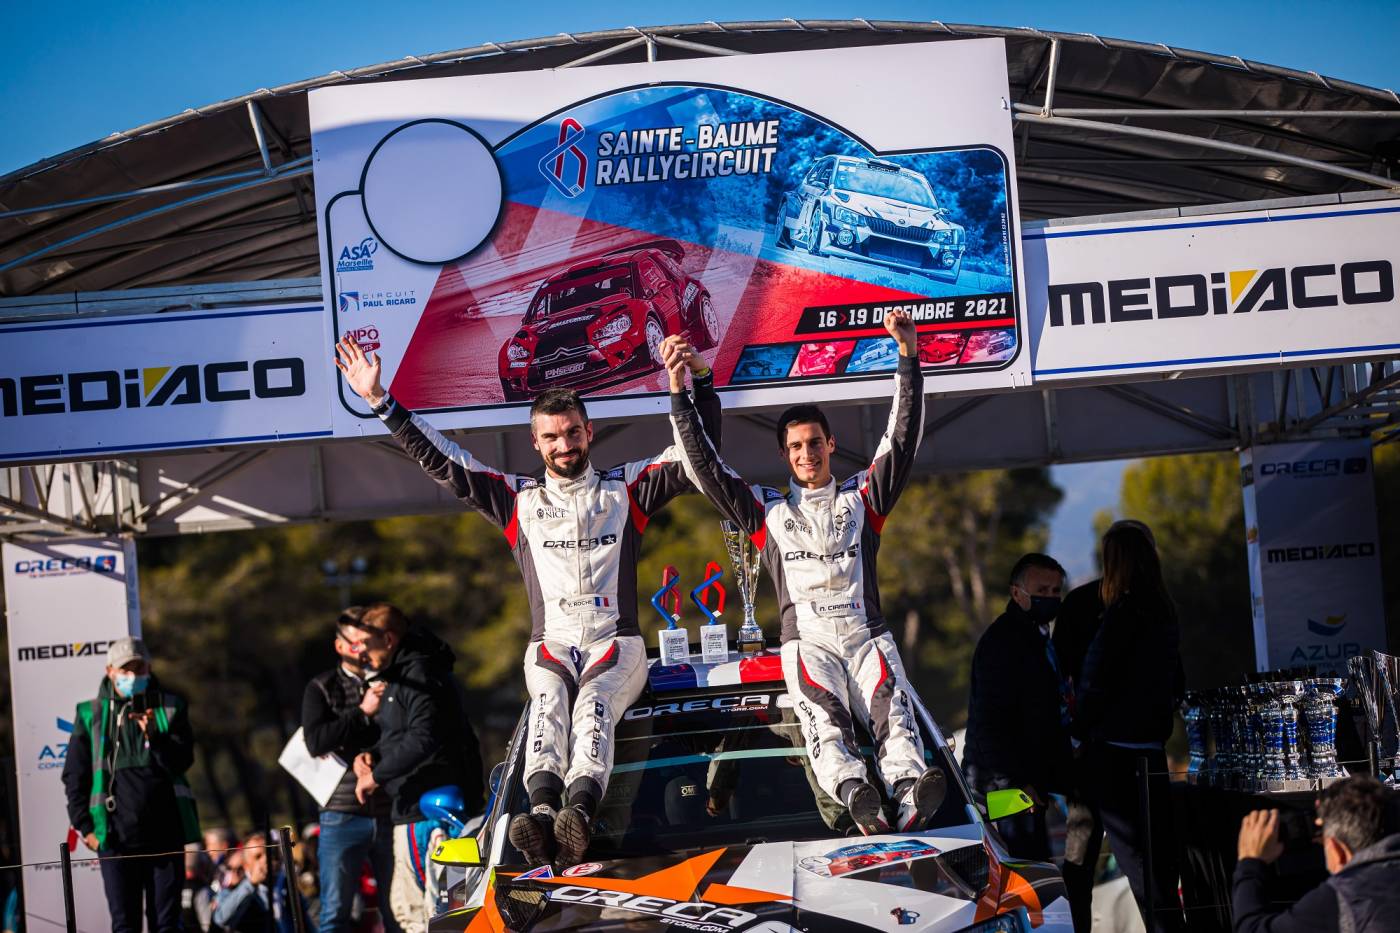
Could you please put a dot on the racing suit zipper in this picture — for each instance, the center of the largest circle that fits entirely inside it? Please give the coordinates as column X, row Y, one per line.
column 832, row 546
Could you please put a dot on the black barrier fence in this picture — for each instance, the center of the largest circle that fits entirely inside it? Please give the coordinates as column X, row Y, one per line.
column 282, row 845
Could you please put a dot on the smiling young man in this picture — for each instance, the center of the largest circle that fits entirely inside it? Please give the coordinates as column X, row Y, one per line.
column 576, row 535
column 819, row 539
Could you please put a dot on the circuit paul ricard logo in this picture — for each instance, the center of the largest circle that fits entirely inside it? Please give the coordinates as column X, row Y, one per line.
column 357, row 257
column 52, row 755
column 349, row 302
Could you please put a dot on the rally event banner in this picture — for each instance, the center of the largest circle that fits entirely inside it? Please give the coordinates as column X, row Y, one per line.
column 492, row 236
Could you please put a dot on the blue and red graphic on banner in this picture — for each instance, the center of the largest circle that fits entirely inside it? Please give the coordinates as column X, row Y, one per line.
column 771, row 240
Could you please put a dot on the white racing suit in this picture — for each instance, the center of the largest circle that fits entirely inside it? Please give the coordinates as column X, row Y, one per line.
column 819, row 546
column 577, row 543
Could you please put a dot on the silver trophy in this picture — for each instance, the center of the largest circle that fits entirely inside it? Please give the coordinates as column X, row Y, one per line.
column 746, row 560
column 1320, row 710
column 1377, row 677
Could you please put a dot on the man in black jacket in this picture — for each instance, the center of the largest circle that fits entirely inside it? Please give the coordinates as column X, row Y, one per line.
column 124, row 778
column 1364, row 862
column 1019, row 709
column 425, row 742
column 338, row 713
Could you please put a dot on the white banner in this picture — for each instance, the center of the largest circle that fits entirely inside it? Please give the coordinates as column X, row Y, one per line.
column 1314, row 553
column 64, row 603
column 491, row 236
column 114, row 385
column 1213, row 292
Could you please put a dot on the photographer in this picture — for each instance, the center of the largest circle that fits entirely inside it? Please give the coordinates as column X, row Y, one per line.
column 124, row 778
column 1364, row 862
column 338, row 716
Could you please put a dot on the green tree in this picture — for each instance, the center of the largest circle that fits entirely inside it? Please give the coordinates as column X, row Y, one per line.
column 945, row 556
column 1195, row 508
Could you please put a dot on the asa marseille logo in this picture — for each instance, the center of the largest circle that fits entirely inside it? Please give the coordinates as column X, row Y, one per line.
column 567, row 155
column 355, row 257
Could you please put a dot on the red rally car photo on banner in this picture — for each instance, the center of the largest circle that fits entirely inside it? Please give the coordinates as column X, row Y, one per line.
column 603, row 319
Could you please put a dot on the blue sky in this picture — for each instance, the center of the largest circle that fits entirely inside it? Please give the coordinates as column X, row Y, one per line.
column 75, row 72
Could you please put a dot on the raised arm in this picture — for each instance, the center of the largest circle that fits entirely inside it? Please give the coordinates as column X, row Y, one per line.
column 485, row 489
column 893, row 463
column 726, row 489
column 654, row 482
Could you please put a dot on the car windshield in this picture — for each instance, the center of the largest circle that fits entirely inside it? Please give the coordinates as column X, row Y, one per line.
column 896, row 186
column 588, row 288
column 721, row 770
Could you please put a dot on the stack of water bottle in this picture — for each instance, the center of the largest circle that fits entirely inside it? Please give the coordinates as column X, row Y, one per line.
column 1275, row 732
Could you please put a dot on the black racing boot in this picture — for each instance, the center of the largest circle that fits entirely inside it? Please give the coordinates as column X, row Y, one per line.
column 867, row 811
column 921, row 800
column 573, row 832
column 533, row 834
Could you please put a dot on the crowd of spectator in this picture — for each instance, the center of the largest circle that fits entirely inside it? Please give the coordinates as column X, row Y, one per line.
column 390, row 713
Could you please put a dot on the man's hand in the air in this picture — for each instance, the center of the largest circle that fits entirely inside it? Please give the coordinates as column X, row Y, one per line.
column 361, row 371
column 901, row 327
column 676, row 356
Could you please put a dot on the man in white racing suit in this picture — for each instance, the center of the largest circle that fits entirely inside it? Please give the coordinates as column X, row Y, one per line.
column 819, row 540
column 576, row 535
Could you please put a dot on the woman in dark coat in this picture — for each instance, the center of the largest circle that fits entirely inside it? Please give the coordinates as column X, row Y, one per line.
column 1131, row 687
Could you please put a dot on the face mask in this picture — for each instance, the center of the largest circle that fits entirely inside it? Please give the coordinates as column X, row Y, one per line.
column 1044, row 609
column 128, row 684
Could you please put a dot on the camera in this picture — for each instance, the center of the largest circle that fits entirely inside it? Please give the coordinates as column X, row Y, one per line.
column 1296, row 829
column 140, row 703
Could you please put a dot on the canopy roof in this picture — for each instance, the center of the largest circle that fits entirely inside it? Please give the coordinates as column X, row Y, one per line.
column 223, row 193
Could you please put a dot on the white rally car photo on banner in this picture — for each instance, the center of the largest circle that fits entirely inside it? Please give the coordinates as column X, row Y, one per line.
column 713, row 821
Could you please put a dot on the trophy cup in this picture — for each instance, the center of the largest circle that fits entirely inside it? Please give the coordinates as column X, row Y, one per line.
column 1291, row 700
column 745, row 558
column 1320, row 709
column 1376, row 677
column 1194, row 714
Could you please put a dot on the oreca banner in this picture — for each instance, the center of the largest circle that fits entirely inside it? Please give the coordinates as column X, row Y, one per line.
column 1224, row 291
column 117, row 385
column 493, row 236
column 1315, row 569
column 64, row 604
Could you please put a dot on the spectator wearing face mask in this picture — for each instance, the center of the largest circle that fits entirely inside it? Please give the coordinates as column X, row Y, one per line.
column 127, row 795
column 1020, row 706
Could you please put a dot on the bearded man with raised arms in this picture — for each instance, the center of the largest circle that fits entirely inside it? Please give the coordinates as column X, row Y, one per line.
column 576, row 535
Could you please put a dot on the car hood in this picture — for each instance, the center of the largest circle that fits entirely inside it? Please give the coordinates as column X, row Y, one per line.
column 570, row 328
column 922, row 881
column 901, row 213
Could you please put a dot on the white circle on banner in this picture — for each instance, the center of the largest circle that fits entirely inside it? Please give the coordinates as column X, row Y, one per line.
column 432, row 191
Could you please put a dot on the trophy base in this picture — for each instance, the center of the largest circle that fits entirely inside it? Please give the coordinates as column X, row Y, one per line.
column 1294, row 785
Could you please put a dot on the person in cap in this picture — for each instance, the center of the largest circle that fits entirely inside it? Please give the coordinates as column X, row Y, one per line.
column 127, row 794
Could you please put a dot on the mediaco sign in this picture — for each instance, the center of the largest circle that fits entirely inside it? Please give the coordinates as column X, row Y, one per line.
column 1275, row 288
column 120, row 384
column 1186, row 296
